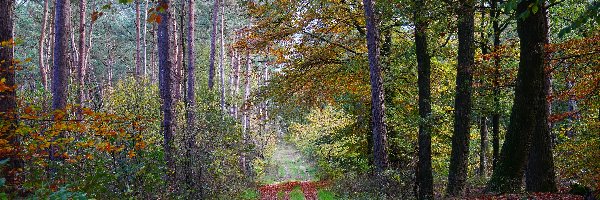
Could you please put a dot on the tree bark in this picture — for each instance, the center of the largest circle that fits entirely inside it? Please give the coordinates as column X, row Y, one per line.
column 221, row 59
column 191, row 96
column 380, row 156
column 144, row 42
column 81, row 65
column 42, row 61
column 165, row 68
column 529, row 113
column 462, row 104
column 246, row 120
column 483, row 146
column 540, row 176
column 496, row 114
column 138, row 62
column 424, row 171
column 213, row 38
column 8, row 102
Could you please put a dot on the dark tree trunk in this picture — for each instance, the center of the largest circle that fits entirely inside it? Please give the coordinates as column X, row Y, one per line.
column 496, row 114
column 8, row 102
column 540, row 176
column 144, row 42
column 165, row 68
column 81, row 65
column 424, row 172
column 483, row 130
column 462, row 103
column 529, row 113
column 213, row 45
column 60, row 68
column 191, row 96
column 380, row 156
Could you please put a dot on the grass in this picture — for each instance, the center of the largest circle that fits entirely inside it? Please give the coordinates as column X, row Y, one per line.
column 250, row 194
column 325, row 195
column 296, row 194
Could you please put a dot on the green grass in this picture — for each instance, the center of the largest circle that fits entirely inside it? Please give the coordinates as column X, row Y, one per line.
column 296, row 194
column 325, row 195
column 250, row 194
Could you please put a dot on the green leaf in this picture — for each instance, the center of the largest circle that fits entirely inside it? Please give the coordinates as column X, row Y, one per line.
column 125, row 1
column 3, row 162
column 2, row 181
column 534, row 9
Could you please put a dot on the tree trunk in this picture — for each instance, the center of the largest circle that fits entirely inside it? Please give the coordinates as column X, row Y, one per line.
column 529, row 112
column 221, row 59
column 60, row 67
column 483, row 130
column 138, row 62
column 165, row 68
column 424, row 171
column 213, row 38
column 540, row 176
column 191, row 96
column 380, row 156
column 42, row 61
column 8, row 102
column 236, row 81
column 462, row 104
column 246, row 120
column 144, row 42
column 496, row 114
column 81, row 66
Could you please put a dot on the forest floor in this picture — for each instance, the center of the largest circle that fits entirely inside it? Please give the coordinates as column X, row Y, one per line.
column 291, row 175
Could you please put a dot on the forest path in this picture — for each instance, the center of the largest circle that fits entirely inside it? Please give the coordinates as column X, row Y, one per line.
column 290, row 176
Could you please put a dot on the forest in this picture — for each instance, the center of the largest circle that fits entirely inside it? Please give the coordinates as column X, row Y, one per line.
column 300, row 99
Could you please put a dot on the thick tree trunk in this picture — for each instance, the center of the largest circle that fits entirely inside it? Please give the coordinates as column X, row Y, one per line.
column 213, row 45
column 8, row 102
column 496, row 114
column 424, row 172
column 529, row 112
column 81, row 65
column 540, row 176
column 42, row 61
column 165, row 68
column 380, row 156
column 483, row 146
column 221, row 60
column 61, row 63
column 462, row 104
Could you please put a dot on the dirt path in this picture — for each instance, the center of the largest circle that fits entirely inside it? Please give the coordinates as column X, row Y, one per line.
column 289, row 170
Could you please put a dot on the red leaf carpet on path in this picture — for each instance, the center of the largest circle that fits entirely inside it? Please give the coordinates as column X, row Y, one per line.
column 309, row 189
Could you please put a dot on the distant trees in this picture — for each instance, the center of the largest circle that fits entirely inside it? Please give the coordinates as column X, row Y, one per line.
column 462, row 103
column 377, row 103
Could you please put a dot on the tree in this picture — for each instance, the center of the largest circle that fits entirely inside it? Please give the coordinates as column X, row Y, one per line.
column 424, row 172
column 462, row 104
column 81, row 65
column 540, row 176
column 165, row 70
column 8, row 101
column 529, row 113
column 221, row 59
column 138, row 61
column 213, row 38
column 495, row 15
column 144, row 42
column 60, row 66
column 377, row 106
column 190, row 94
column 42, row 61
